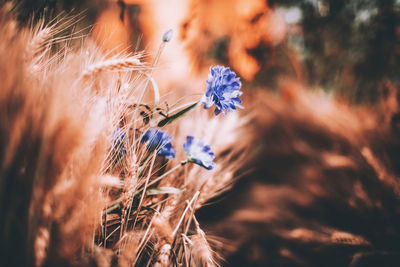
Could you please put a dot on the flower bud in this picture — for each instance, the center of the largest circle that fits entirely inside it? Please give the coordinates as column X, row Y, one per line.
column 168, row 35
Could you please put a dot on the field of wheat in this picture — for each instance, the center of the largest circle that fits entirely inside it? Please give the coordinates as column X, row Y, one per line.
column 111, row 158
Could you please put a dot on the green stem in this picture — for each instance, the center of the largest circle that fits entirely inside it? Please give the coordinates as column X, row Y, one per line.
column 162, row 176
column 151, row 71
column 156, row 93
column 133, row 119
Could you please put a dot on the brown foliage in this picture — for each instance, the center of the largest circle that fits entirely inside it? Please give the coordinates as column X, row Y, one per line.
column 325, row 191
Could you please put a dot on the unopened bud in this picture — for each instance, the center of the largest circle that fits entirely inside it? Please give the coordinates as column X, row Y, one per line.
column 168, row 35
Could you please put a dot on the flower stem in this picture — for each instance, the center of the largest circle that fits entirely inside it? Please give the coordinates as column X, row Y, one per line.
column 162, row 176
column 160, row 49
column 133, row 119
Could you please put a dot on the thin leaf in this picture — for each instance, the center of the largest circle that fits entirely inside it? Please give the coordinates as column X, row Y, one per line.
column 163, row 190
column 175, row 116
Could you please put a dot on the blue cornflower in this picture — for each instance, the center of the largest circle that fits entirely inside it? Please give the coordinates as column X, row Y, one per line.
column 119, row 142
column 223, row 90
column 159, row 140
column 199, row 153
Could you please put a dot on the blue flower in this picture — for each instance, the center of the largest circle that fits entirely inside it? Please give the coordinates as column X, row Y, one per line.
column 119, row 142
column 199, row 153
column 223, row 90
column 159, row 140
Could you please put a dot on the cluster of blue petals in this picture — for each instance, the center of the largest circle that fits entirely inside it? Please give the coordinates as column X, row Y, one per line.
column 223, row 90
column 160, row 141
column 199, row 153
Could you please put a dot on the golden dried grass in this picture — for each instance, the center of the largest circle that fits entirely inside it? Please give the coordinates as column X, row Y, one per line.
column 67, row 196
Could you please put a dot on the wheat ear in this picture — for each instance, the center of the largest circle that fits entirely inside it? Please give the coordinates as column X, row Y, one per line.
column 115, row 64
column 38, row 41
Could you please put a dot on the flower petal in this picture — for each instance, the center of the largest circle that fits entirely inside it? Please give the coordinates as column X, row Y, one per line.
column 223, row 90
column 199, row 153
